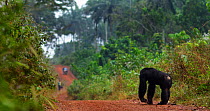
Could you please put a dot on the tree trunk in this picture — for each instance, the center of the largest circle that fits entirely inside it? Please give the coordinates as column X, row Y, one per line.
column 106, row 32
column 6, row 2
column 96, row 36
column 74, row 47
column 163, row 36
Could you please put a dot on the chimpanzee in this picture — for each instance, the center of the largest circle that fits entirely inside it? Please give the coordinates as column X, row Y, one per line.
column 154, row 77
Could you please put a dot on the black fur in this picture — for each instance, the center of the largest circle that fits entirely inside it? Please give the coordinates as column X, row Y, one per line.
column 154, row 77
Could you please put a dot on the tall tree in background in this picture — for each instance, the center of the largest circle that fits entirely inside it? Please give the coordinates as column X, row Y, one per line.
column 147, row 21
column 43, row 12
column 146, row 18
column 195, row 15
column 101, row 10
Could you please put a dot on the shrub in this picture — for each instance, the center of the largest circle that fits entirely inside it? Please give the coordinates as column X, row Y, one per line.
column 189, row 65
column 92, row 88
column 25, row 73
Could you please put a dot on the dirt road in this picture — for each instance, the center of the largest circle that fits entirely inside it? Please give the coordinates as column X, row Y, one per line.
column 64, row 104
column 121, row 105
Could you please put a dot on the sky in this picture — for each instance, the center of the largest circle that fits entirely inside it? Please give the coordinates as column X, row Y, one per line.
column 80, row 3
column 50, row 52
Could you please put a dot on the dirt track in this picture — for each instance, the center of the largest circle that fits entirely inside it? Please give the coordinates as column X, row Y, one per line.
column 64, row 104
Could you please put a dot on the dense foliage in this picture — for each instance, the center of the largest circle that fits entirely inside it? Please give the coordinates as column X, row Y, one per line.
column 25, row 74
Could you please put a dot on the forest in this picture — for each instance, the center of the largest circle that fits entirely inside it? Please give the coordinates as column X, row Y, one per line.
column 111, row 41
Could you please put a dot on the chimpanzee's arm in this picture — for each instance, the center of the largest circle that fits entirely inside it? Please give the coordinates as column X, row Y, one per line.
column 142, row 88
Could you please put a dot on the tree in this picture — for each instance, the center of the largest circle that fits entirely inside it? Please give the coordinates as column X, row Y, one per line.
column 195, row 15
column 147, row 18
column 115, row 47
column 101, row 10
column 43, row 12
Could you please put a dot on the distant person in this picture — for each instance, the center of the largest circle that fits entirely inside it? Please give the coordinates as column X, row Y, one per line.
column 65, row 71
column 60, row 85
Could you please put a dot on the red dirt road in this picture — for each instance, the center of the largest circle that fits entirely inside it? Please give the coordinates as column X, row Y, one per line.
column 64, row 104
column 118, row 105
column 66, row 79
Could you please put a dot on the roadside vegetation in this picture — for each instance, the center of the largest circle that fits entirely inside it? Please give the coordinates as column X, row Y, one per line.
column 25, row 74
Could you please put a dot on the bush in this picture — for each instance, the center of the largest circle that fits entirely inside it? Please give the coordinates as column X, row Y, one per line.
column 93, row 88
column 117, row 79
column 25, row 74
column 189, row 65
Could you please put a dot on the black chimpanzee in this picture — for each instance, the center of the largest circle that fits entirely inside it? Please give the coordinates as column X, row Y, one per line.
column 154, row 77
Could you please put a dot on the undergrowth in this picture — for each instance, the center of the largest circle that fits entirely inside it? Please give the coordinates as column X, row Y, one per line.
column 25, row 73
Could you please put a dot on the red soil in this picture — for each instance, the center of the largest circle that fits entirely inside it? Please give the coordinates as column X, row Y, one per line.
column 66, row 80
column 64, row 104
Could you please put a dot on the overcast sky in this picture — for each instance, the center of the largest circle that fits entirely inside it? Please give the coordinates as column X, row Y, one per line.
column 80, row 3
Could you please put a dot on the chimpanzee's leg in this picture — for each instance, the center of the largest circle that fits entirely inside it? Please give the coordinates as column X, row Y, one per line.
column 165, row 87
column 169, row 93
column 150, row 93
column 165, row 94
